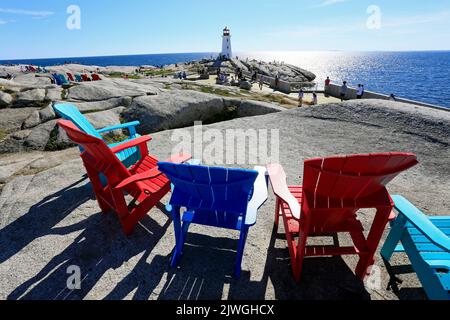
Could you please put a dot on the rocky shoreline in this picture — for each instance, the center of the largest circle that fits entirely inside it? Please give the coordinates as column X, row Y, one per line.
column 28, row 122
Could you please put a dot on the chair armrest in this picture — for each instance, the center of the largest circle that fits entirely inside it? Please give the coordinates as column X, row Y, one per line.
column 421, row 222
column 260, row 195
column 180, row 158
column 153, row 173
column 132, row 143
column 280, row 188
column 131, row 126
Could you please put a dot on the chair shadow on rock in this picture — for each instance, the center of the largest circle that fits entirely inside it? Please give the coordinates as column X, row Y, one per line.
column 100, row 247
column 205, row 274
column 41, row 218
column 325, row 278
column 205, row 271
column 395, row 282
column 196, row 279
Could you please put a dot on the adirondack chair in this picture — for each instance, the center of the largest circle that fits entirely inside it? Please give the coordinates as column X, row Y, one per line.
column 78, row 78
column 143, row 182
column 216, row 197
column 70, row 77
column 426, row 241
column 127, row 156
column 333, row 191
column 96, row 77
column 63, row 79
column 57, row 79
column 85, row 77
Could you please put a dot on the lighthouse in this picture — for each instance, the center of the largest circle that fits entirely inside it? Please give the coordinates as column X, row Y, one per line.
column 226, row 44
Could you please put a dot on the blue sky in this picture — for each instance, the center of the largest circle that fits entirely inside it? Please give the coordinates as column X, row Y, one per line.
column 37, row 29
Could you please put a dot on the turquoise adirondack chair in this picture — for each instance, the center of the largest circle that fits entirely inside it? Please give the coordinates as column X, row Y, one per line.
column 128, row 157
column 426, row 241
column 215, row 197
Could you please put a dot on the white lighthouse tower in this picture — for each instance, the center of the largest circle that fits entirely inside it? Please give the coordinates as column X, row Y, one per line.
column 226, row 44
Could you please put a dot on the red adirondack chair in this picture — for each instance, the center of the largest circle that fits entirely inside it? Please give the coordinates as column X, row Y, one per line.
column 334, row 190
column 143, row 181
column 70, row 77
column 96, row 77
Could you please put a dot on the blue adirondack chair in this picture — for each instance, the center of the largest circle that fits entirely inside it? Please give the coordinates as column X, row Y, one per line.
column 78, row 78
column 64, row 79
column 426, row 241
column 128, row 157
column 57, row 79
column 216, row 197
column 60, row 79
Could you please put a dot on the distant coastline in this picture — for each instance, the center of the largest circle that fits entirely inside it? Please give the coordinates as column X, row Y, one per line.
column 118, row 60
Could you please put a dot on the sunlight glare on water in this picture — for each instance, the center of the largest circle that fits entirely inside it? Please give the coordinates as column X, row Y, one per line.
column 422, row 76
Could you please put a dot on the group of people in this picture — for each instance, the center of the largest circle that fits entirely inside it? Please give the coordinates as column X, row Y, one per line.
column 344, row 91
column 360, row 91
column 223, row 77
column 238, row 73
column 182, row 75
column 301, row 96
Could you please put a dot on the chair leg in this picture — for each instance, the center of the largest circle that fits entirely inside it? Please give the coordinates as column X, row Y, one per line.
column 394, row 237
column 136, row 215
column 103, row 205
column 362, row 266
column 294, row 250
column 180, row 245
column 373, row 240
column 184, row 232
column 176, row 217
column 122, row 211
column 299, row 257
column 240, row 252
column 277, row 212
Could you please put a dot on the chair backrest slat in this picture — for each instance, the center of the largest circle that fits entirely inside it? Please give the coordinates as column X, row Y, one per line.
column 353, row 177
column 70, row 112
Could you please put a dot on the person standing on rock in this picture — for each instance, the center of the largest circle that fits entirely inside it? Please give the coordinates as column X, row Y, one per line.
column 277, row 81
column 254, row 76
column 360, row 91
column 343, row 91
column 240, row 75
column 261, row 82
column 301, row 94
column 327, row 86
column 315, row 101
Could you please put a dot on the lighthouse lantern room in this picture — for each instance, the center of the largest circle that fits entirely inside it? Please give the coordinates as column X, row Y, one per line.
column 226, row 44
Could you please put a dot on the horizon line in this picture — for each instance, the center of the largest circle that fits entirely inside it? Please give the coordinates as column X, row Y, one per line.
column 212, row 52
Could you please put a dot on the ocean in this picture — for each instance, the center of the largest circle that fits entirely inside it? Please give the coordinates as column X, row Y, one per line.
column 421, row 76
